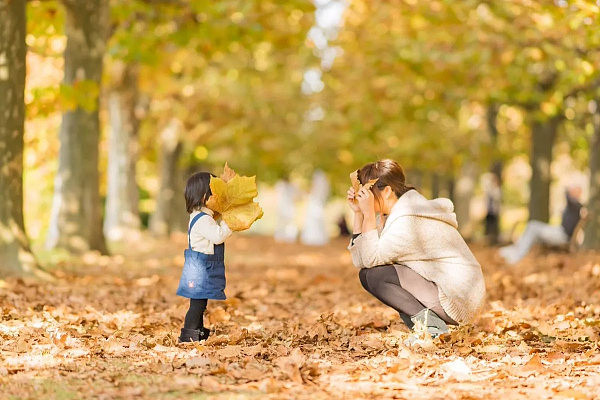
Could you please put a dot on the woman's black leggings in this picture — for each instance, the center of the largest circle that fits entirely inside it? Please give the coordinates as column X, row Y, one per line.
column 194, row 319
column 394, row 286
column 383, row 283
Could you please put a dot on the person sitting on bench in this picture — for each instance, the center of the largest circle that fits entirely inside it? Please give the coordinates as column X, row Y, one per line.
column 546, row 234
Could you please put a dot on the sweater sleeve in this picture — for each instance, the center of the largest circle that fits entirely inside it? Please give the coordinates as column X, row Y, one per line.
column 392, row 246
column 354, row 252
column 213, row 231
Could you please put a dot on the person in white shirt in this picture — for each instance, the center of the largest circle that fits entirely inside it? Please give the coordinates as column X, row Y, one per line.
column 203, row 275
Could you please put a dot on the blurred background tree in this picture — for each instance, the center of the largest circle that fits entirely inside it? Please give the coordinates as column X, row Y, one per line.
column 125, row 98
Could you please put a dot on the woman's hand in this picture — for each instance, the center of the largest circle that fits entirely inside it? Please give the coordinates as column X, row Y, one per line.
column 352, row 201
column 366, row 201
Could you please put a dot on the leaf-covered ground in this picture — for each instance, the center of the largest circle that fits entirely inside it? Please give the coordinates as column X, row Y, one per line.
column 297, row 325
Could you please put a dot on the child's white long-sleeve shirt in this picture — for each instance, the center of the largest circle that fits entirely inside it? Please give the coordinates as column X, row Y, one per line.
column 206, row 232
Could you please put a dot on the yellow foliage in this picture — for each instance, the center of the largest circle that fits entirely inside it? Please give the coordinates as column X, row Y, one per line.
column 241, row 217
column 233, row 198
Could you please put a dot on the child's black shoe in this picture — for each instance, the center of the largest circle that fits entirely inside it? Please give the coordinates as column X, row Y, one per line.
column 193, row 335
column 204, row 333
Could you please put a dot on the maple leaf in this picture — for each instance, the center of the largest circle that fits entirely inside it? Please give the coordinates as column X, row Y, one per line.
column 356, row 183
column 241, row 217
column 233, row 198
column 228, row 173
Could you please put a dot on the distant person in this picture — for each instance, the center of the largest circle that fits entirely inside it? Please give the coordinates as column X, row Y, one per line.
column 493, row 199
column 343, row 226
column 286, row 229
column 537, row 232
column 417, row 262
column 314, row 232
column 203, row 275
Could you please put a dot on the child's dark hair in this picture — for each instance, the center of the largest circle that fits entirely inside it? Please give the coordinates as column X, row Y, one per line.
column 197, row 191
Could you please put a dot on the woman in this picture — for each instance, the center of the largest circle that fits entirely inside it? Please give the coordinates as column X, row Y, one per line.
column 419, row 264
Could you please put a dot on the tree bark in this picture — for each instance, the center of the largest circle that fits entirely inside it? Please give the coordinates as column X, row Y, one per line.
column 415, row 178
column 591, row 239
column 463, row 193
column 435, row 186
column 16, row 257
column 543, row 135
column 492, row 117
column 450, row 188
column 76, row 221
column 169, row 202
column 122, row 216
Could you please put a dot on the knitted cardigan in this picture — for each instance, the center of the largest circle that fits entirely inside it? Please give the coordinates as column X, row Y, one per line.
column 422, row 234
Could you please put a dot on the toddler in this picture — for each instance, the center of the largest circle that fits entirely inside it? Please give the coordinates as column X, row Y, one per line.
column 203, row 275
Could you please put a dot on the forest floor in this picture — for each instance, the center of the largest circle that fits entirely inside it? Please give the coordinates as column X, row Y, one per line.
column 298, row 325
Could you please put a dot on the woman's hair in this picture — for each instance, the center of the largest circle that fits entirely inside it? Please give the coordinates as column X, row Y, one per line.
column 197, row 191
column 388, row 173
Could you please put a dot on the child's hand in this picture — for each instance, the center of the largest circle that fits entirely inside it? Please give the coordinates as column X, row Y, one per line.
column 352, row 201
column 366, row 200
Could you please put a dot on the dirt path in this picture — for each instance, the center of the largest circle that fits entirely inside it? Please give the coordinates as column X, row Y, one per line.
column 297, row 325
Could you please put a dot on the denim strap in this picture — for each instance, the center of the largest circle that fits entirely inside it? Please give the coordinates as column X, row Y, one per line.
column 194, row 220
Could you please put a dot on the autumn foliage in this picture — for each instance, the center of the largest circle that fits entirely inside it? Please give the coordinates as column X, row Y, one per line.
column 233, row 198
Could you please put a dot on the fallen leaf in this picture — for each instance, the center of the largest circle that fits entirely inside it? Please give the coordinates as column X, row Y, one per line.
column 457, row 370
column 573, row 394
column 232, row 198
column 534, row 365
column 253, row 372
column 197, row 362
column 399, row 365
column 291, row 365
column 229, row 351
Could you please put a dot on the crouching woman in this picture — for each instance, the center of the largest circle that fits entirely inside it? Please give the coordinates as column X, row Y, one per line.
column 416, row 261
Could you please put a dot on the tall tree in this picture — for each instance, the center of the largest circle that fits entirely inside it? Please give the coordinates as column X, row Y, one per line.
column 16, row 257
column 464, row 192
column 543, row 135
column 122, row 212
column 591, row 239
column 169, row 201
column 76, row 221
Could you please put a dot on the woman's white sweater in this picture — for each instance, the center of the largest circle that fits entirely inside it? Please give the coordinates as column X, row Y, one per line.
column 422, row 234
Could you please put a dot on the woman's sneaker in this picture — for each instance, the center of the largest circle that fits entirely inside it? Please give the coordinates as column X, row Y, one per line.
column 426, row 321
column 430, row 320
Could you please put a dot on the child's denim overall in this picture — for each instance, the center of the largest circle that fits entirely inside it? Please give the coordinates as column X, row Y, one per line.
column 203, row 275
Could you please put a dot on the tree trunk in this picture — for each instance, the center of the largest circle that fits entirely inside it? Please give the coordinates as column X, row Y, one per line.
column 16, row 257
column 543, row 135
column 169, row 203
column 435, row 186
column 463, row 193
column 415, row 178
column 591, row 239
column 76, row 221
column 492, row 116
column 450, row 188
column 122, row 216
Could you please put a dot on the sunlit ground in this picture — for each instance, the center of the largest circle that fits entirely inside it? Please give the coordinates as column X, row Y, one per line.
column 297, row 325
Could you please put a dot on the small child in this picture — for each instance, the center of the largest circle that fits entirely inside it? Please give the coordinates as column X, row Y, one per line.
column 203, row 275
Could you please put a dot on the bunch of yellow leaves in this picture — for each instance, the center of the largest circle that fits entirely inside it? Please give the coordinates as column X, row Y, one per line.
column 356, row 183
column 233, row 198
